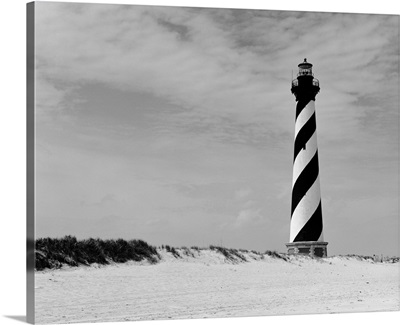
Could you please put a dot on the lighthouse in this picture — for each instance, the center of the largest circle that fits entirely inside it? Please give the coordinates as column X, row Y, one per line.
column 306, row 227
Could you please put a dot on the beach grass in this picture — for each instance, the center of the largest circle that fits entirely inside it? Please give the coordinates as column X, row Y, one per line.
column 55, row 252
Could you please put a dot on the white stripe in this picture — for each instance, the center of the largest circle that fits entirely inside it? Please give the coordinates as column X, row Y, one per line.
column 304, row 157
column 305, row 209
column 304, row 116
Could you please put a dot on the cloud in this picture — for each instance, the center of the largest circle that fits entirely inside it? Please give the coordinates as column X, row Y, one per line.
column 242, row 193
column 219, row 65
column 249, row 217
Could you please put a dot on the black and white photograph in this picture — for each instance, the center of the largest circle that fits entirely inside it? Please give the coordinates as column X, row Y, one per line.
column 177, row 171
column 192, row 162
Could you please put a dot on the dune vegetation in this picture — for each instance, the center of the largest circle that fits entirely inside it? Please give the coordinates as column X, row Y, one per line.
column 54, row 253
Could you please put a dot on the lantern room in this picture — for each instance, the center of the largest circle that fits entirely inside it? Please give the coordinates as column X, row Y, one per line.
column 305, row 69
column 305, row 85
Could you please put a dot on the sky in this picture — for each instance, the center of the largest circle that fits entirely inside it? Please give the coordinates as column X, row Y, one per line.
column 176, row 125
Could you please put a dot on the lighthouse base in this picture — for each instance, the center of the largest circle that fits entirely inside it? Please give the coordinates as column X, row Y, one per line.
column 310, row 248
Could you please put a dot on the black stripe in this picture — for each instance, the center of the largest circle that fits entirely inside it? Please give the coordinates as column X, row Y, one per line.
column 300, row 105
column 304, row 135
column 305, row 180
column 313, row 228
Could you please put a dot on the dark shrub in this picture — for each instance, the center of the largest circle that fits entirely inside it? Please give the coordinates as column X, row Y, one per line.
column 53, row 253
column 276, row 255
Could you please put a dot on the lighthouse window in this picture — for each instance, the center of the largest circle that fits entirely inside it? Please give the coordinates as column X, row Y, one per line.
column 305, row 72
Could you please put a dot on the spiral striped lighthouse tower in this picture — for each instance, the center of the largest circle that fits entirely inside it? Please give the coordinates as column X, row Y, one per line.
column 306, row 235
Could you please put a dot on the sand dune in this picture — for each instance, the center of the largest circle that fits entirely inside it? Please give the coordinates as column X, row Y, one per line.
column 205, row 284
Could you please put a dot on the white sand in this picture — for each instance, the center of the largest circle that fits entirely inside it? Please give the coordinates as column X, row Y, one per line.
column 208, row 286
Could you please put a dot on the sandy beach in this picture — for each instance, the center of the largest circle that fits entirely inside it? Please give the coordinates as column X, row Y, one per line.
column 209, row 286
